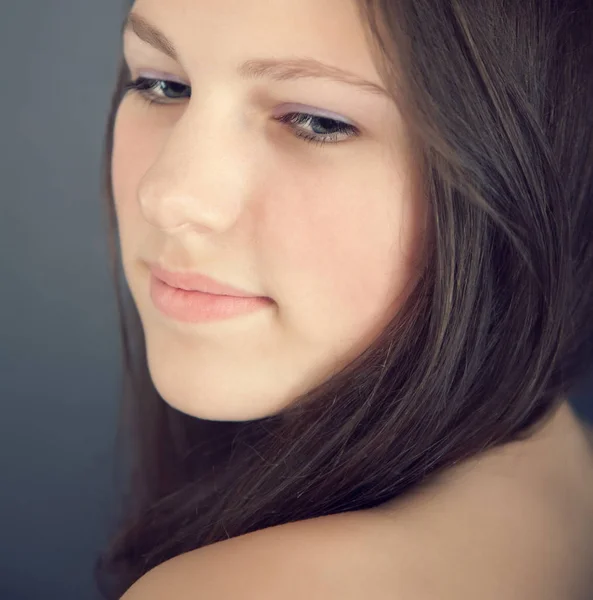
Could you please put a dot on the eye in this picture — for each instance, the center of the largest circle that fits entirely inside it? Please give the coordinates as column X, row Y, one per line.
column 322, row 130
column 311, row 128
column 158, row 91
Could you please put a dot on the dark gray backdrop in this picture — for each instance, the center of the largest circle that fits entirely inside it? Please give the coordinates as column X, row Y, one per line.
column 59, row 357
column 59, row 362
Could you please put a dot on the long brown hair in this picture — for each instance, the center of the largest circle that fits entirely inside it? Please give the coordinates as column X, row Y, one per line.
column 497, row 95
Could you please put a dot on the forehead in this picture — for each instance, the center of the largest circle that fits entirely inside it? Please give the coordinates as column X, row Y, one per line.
column 221, row 32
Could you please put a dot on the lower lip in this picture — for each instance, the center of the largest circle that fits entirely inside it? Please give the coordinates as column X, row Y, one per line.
column 199, row 307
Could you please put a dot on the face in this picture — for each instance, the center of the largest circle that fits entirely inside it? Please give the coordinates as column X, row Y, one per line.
column 215, row 178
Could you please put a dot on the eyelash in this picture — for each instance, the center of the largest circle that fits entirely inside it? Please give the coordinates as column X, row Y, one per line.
column 146, row 88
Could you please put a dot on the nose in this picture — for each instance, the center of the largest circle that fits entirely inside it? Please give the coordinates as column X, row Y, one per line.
column 199, row 178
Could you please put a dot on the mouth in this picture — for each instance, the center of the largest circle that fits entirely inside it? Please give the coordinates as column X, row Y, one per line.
column 191, row 298
column 197, row 282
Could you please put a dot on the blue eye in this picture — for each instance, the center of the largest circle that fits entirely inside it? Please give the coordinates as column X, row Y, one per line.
column 156, row 91
column 331, row 129
column 311, row 128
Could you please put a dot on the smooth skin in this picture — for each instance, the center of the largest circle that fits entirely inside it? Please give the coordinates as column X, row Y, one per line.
column 334, row 235
column 215, row 183
column 515, row 523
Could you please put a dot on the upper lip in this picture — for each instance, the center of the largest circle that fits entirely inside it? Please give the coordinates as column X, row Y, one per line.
column 197, row 282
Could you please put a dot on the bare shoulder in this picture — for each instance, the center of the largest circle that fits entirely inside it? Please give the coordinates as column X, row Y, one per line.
column 422, row 552
column 516, row 524
column 317, row 559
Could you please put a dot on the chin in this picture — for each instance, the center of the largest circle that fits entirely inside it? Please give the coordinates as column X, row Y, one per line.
column 216, row 382
column 213, row 403
column 215, row 409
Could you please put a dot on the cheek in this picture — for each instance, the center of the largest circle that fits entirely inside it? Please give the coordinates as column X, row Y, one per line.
column 349, row 247
column 134, row 149
column 124, row 162
column 131, row 158
column 136, row 143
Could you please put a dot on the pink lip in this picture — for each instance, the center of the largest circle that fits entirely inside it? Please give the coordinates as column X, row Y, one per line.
column 198, row 283
column 193, row 305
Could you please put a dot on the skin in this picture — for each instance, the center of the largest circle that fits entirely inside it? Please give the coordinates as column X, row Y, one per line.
column 333, row 234
column 515, row 522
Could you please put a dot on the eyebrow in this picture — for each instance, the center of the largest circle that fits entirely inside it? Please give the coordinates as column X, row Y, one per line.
column 274, row 69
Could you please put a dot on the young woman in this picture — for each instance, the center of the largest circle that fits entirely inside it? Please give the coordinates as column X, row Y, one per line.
column 357, row 241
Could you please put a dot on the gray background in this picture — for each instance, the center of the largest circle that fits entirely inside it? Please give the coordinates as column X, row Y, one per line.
column 59, row 352
column 59, row 346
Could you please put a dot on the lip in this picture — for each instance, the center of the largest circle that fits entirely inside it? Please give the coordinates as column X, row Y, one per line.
column 195, row 298
column 196, row 282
